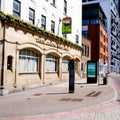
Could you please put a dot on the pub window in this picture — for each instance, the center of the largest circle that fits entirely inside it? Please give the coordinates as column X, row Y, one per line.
column 31, row 15
column 65, row 64
column 16, row 8
column 51, row 63
column 9, row 63
column 28, row 61
column 43, row 22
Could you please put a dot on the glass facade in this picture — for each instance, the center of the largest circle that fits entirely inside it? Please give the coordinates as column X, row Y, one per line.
column 93, row 14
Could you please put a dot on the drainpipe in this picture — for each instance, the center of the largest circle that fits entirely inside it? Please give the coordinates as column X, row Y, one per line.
column 15, row 67
column 3, row 56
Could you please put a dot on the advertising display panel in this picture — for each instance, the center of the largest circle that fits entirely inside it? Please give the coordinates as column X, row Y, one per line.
column 92, row 71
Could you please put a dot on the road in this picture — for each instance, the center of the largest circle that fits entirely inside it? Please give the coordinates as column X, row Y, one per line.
column 89, row 102
column 116, row 83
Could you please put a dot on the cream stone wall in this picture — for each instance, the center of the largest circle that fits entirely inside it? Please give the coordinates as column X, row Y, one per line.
column 18, row 38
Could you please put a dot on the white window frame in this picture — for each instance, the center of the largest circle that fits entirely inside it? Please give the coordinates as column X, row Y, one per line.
column 65, row 65
column 43, row 22
column 51, row 63
column 31, row 15
column 28, row 63
column 16, row 11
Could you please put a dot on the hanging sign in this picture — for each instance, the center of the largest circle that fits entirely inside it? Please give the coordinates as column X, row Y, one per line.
column 66, row 25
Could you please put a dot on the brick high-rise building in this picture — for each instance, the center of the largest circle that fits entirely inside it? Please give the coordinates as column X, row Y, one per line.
column 94, row 28
column 111, row 9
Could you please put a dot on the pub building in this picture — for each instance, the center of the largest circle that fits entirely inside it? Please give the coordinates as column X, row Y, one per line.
column 31, row 57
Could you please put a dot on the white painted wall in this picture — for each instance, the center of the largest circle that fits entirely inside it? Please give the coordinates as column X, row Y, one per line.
column 44, row 7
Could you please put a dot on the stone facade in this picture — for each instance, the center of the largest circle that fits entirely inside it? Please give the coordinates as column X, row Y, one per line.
column 15, row 36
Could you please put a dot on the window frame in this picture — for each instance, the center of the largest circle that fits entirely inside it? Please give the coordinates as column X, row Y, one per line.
column 53, row 2
column 32, row 56
column 16, row 12
column 65, row 61
column 65, row 7
column 0, row 4
column 65, row 36
column 52, row 26
column 9, row 62
column 52, row 61
column 43, row 22
column 77, row 39
column 32, row 19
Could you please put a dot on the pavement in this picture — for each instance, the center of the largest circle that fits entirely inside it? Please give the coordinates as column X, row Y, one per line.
column 54, row 102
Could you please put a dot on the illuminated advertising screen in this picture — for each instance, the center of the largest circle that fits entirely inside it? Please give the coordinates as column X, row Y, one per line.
column 91, row 71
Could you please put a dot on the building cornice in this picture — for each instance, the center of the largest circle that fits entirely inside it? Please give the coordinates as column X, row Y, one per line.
column 17, row 23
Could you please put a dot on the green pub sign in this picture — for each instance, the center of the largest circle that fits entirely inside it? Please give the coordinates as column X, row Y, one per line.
column 66, row 25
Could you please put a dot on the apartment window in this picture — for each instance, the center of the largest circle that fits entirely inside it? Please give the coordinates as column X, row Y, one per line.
column 52, row 26
column 82, row 67
column 53, row 2
column 43, row 22
column 65, row 6
column 65, row 36
column 65, row 64
column 16, row 8
column 85, row 34
column 83, row 49
column 31, row 15
column 28, row 61
column 0, row 4
column 87, row 51
column 51, row 63
column 101, row 34
column 77, row 39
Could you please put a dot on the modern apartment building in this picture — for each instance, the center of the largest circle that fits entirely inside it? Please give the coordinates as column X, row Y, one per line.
column 112, row 13
column 111, row 9
column 94, row 28
column 33, row 50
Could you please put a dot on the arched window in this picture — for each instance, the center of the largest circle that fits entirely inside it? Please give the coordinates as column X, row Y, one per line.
column 51, row 63
column 9, row 63
column 65, row 65
column 28, row 61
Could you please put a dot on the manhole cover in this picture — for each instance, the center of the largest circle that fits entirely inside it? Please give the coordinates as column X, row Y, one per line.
column 77, row 100
column 71, row 99
column 96, row 94
column 91, row 93
column 65, row 99
column 28, row 98
column 37, row 94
